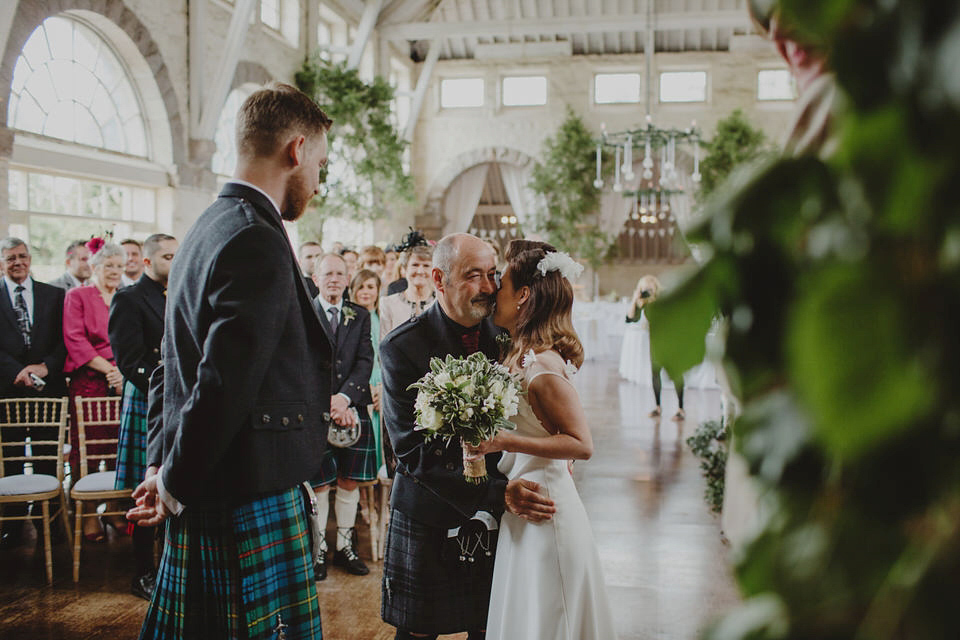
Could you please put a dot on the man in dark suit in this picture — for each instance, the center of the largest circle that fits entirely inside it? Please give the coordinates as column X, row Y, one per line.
column 135, row 330
column 348, row 327
column 31, row 351
column 437, row 567
column 308, row 253
column 246, row 392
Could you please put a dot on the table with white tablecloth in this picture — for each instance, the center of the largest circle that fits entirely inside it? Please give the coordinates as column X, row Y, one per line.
column 635, row 360
column 600, row 326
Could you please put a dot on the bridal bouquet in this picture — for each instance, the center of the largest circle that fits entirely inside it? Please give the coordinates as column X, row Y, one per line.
column 470, row 398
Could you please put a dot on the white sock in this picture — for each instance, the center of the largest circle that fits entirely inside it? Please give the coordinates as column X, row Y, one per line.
column 346, row 512
column 323, row 511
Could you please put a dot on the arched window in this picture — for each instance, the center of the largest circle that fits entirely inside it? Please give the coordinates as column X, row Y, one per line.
column 91, row 140
column 224, row 160
column 69, row 84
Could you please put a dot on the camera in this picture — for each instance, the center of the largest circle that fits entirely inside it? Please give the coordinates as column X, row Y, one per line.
column 38, row 382
column 645, row 293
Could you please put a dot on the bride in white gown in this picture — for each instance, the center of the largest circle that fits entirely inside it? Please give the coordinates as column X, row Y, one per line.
column 547, row 580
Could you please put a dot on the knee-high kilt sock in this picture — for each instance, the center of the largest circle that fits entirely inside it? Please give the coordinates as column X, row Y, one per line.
column 237, row 572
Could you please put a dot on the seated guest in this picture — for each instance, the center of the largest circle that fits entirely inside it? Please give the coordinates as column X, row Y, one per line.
column 365, row 291
column 348, row 327
column 135, row 330
column 78, row 267
column 133, row 268
column 31, row 355
column 308, row 253
column 372, row 258
column 398, row 308
column 90, row 363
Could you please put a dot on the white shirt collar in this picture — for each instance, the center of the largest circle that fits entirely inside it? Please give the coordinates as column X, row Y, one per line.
column 326, row 306
column 12, row 286
column 256, row 188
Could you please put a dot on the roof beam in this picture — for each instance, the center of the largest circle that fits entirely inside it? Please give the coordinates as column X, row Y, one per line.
column 737, row 18
column 367, row 21
column 223, row 78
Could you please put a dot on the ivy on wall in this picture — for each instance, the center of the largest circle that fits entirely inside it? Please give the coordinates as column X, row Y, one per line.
column 735, row 142
column 364, row 178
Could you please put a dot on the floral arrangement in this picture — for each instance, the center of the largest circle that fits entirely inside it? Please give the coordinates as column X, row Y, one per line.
column 469, row 398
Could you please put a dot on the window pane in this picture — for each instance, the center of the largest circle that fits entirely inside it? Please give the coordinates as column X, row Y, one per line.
column 224, row 160
column 612, row 88
column 270, row 13
column 524, row 91
column 683, row 86
column 291, row 21
column 461, row 92
column 774, row 84
column 17, row 187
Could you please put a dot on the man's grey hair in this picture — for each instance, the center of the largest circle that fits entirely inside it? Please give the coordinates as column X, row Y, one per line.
column 445, row 253
column 109, row 250
column 8, row 244
column 152, row 244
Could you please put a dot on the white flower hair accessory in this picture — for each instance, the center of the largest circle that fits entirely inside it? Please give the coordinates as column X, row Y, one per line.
column 562, row 262
column 528, row 359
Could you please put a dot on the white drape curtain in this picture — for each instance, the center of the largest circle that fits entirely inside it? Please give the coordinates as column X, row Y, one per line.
column 461, row 200
column 614, row 207
column 515, row 181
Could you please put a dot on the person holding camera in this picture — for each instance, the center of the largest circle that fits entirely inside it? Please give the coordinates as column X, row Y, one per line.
column 648, row 287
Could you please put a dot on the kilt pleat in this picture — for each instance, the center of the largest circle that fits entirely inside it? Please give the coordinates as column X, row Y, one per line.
column 132, row 443
column 427, row 590
column 237, row 573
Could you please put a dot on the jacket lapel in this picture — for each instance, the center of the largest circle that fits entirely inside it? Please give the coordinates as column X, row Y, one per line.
column 324, row 321
column 7, row 308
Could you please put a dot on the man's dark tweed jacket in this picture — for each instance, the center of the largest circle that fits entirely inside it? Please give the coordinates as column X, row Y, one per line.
column 436, row 494
column 246, row 365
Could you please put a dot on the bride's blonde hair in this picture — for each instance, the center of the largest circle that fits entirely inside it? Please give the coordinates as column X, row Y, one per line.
column 546, row 320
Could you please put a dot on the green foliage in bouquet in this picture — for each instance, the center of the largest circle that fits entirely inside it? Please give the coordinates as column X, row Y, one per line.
column 563, row 178
column 841, row 280
column 709, row 443
column 364, row 178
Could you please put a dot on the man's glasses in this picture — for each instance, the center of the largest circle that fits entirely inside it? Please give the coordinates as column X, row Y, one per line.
column 19, row 256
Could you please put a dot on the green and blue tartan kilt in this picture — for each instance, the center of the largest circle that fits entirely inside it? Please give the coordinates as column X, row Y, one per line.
column 357, row 462
column 132, row 443
column 426, row 589
column 237, row 572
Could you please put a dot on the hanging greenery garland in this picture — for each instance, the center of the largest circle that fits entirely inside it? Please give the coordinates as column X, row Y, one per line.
column 364, row 178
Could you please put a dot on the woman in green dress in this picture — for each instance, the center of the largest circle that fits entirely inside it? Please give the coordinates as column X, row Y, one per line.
column 365, row 291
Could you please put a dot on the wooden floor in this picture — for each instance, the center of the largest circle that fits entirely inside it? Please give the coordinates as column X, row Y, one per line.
column 661, row 548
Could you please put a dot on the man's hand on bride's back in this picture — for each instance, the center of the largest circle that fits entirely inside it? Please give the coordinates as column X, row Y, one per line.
column 523, row 498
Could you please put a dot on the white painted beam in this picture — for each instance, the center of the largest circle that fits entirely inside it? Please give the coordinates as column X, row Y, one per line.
column 421, row 91
column 213, row 101
column 551, row 26
column 371, row 12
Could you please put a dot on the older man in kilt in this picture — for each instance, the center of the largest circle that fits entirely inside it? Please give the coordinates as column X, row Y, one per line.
column 438, row 562
column 245, row 387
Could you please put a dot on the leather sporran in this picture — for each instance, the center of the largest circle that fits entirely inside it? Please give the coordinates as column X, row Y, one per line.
column 342, row 437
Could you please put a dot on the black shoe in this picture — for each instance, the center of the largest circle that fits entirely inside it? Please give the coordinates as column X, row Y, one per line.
column 348, row 559
column 320, row 567
column 143, row 586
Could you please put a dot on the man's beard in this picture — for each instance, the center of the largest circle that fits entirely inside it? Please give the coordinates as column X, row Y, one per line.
column 295, row 199
column 482, row 306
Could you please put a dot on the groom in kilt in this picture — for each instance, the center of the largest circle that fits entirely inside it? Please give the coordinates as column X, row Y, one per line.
column 438, row 561
column 245, row 391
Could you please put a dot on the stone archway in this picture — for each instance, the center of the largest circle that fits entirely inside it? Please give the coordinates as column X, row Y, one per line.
column 31, row 14
column 433, row 207
column 248, row 72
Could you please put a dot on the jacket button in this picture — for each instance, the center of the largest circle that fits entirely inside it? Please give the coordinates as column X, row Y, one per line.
column 326, row 416
column 265, row 418
column 284, row 420
column 438, row 453
column 299, row 417
column 450, row 466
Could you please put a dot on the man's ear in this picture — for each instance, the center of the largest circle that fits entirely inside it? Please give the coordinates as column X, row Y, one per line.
column 437, row 277
column 295, row 150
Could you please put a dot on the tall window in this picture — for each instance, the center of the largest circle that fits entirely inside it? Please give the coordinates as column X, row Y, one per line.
column 224, row 159
column 282, row 16
column 70, row 85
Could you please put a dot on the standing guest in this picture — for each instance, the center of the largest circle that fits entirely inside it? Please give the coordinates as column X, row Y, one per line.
column 31, row 348
column 308, row 253
column 337, row 247
column 90, row 363
column 419, row 294
column 245, row 390
column 411, row 240
column 365, row 291
column 351, row 257
column 135, row 330
column 427, row 589
column 372, row 258
column 348, row 327
column 389, row 268
column 648, row 288
column 133, row 268
column 78, row 267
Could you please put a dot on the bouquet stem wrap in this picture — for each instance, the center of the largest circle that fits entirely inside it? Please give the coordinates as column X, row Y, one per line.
column 474, row 470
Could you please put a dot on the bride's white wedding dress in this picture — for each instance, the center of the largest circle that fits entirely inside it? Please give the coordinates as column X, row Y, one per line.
column 547, row 580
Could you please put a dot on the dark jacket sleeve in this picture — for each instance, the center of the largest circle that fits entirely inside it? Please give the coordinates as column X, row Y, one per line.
column 356, row 385
column 248, row 310
column 56, row 355
column 126, row 332
column 155, row 445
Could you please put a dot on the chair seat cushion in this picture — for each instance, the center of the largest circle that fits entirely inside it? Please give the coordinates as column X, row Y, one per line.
column 23, row 484
column 100, row 481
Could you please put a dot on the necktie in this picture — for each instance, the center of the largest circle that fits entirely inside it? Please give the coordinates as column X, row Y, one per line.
column 23, row 316
column 334, row 320
column 471, row 340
